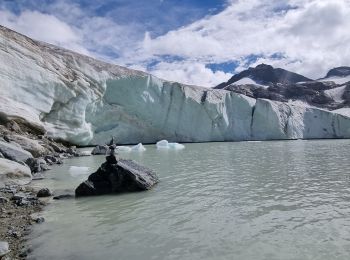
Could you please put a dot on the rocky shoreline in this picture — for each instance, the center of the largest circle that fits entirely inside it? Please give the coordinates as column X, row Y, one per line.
column 25, row 154
column 20, row 209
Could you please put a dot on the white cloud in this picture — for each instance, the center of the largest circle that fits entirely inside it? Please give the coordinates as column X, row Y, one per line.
column 192, row 73
column 312, row 35
column 43, row 27
column 101, row 35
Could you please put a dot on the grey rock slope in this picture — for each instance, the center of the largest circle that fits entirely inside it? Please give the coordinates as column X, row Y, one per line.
column 13, row 173
column 14, row 152
column 339, row 72
column 84, row 101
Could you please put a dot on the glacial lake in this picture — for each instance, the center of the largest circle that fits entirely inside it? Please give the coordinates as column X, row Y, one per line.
column 244, row 200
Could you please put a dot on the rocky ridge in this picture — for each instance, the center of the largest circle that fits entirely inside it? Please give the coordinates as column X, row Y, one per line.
column 331, row 92
column 265, row 75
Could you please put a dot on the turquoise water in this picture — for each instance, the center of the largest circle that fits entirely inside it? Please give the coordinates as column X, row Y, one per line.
column 246, row 200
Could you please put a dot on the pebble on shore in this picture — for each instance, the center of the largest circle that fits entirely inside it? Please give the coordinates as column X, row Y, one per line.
column 18, row 205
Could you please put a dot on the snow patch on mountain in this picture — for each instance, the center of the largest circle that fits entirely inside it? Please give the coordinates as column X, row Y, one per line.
column 248, row 81
column 337, row 80
column 336, row 93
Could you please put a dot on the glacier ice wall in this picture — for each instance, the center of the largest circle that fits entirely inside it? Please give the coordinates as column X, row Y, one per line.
column 277, row 120
column 84, row 101
column 147, row 109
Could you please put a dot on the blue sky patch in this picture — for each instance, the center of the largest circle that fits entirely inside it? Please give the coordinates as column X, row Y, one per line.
column 225, row 66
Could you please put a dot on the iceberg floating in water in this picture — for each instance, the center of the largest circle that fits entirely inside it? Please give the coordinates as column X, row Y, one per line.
column 123, row 149
column 138, row 148
column 164, row 144
column 79, row 170
column 85, row 153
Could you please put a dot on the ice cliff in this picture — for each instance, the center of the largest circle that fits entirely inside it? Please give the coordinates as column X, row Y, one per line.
column 84, row 101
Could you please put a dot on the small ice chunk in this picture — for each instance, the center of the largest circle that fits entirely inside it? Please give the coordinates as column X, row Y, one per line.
column 78, row 170
column 123, row 149
column 164, row 144
column 138, row 148
column 176, row 146
column 85, row 153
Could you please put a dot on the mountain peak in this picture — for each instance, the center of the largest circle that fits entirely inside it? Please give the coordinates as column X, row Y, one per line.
column 339, row 72
column 265, row 74
column 262, row 66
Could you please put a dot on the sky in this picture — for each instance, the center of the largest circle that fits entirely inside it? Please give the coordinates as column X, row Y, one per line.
column 198, row 42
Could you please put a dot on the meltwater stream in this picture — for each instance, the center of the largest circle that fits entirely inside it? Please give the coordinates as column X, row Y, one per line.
column 246, row 200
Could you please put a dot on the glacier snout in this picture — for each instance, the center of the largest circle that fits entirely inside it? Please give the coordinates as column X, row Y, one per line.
column 84, row 101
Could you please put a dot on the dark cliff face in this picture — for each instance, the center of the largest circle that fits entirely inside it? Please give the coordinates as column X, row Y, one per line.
column 339, row 72
column 312, row 93
column 283, row 85
column 266, row 75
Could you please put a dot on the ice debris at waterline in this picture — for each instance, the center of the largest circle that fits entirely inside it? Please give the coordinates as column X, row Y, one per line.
column 78, row 170
column 85, row 153
column 123, row 176
column 99, row 149
column 139, row 148
column 164, row 144
column 123, row 149
column 103, row 149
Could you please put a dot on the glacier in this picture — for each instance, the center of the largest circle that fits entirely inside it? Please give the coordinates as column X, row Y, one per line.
column 83, row 101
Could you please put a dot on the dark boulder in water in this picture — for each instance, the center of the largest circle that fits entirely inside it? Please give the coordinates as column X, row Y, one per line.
column 122, row 176
column 45, row 192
